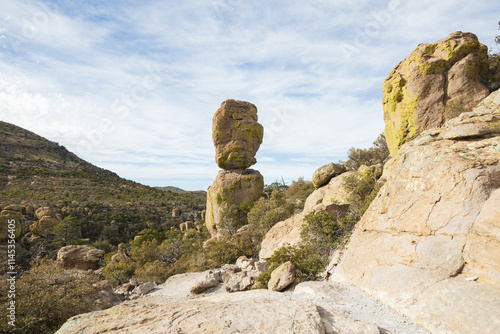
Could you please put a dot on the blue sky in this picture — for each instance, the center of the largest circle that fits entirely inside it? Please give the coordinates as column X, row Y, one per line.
column 132, row 86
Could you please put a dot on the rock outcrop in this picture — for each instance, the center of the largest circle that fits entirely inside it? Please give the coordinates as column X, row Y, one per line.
column 237, row 137
column 236, row 134
column 325, row 173
column 238, row 188
column 435, row 227
column 432, row 81
column 47, row 220
column 316, row 308
column 79, row 257
column 331, row 198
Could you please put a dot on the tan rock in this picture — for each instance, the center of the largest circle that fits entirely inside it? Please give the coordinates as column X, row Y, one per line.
column 203, row 285
column 44, row 212
column 44, row 226
column 434, row 224
column 264, row 312
column 232, row 188
column 285, row 233
column 431, row 82
column 282, row 277
column 325, row 173
column 332, row 193
column 79, row 257
column 236, row 134
column 331, row 198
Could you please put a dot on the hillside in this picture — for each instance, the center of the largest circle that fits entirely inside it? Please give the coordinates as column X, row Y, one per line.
column 36, row 172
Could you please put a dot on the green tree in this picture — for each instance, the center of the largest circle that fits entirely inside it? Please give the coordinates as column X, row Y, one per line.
column 68, row 231
column 371, row 156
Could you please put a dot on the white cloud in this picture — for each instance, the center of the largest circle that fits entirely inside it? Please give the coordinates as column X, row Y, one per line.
column 132, row 86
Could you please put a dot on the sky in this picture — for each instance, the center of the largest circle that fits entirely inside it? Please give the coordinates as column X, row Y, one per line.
column 132, row 86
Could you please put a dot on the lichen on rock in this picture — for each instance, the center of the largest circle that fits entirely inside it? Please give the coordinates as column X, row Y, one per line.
column 420, row 90
column 238, row 188
column 236, row 134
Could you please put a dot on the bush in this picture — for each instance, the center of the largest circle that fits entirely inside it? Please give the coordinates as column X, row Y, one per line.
column 305, row 258
column 266, row 213
column 323, row 232
column 47, row 296
column 298, row 192
column 376, row 154
column 119, row 273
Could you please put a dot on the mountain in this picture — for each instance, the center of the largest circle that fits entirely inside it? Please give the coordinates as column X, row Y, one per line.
column 180, row 191
column 36, row 172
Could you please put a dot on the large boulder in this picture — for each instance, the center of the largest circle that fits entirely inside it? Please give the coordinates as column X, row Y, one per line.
column 434, row 228
column 236, row 134
column 237, row 189
column 47, row 220
column 79, row 257
column 325, row 173
column 436, row 79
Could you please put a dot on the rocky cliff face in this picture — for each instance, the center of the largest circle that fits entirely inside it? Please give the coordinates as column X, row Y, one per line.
column 433, row 81
column 237, row 136
column 429, row 245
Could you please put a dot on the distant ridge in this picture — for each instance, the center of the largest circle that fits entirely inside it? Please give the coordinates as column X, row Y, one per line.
column 177, row 190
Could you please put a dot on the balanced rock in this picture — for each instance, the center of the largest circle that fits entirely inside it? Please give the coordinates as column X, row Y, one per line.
column 434, row 225
column 434, row 80
column 237, row 189
column 236, row 134
column 325, row 173
column 79, row 257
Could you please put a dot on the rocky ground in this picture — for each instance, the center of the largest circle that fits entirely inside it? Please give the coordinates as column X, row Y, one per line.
column 313, row 307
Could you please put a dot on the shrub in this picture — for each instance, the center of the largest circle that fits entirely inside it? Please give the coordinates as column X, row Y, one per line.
column 47, row 296
column 119, row 273
column 376, row 154
column 323, row 232
column 305, row 258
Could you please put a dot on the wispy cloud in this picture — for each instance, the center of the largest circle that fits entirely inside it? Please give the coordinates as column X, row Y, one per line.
column 132, row 86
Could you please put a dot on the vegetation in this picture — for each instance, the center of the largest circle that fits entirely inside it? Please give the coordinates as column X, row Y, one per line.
column 47, row 296
column 136, row 224
column 323, row 232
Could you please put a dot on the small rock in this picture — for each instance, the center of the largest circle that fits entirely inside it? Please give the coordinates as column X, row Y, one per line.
column 245, row 263
column 144, row 288
column 282, row 277
column 204, row 285
column 260, row 266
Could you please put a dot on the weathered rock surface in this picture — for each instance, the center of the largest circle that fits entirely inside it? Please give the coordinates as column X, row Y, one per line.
column 331, row 198
column 79, row 257
column 236, row 134
column 325, row 173
column 330, row 308
column 47, row 220
column 434, row 224
column 282, row 277
column 432, row 81
column 238, row 188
